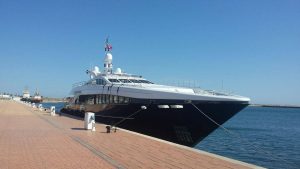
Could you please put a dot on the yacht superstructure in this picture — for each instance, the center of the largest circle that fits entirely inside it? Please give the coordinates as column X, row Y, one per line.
column 135, row 103
column 26, row 95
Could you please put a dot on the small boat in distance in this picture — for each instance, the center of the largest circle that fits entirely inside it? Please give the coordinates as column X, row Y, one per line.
column 177, row 114
column 26, row 95
column 37, row 98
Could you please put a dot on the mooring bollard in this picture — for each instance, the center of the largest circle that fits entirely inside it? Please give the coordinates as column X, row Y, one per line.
column 40, row 107
column 94, row 127
column 52, row 110
column 107, row 129
column 89, row 121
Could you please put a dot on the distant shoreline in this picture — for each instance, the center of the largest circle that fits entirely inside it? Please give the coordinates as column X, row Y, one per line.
column 270, row 105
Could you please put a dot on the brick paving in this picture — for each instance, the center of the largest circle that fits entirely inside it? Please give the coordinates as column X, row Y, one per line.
column 30, row 138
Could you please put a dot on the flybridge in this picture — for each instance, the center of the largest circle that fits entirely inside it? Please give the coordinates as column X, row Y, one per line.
column 108, row 66
column 107, row 75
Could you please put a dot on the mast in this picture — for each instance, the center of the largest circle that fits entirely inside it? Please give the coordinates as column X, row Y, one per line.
column 108, row 57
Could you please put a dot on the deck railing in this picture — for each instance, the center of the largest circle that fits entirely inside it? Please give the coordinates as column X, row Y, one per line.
column 79, row 84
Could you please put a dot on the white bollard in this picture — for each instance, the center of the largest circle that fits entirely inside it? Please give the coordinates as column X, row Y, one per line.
column 93, row 126
column 52, row 110
column 89, row 121
column 40, row 107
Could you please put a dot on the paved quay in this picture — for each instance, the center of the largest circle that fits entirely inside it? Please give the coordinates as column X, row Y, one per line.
column 30, row 138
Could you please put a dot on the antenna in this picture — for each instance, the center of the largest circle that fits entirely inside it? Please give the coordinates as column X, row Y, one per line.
column 107, row 46
column 108, row 57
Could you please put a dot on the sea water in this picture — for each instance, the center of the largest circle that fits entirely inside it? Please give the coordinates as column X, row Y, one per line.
column 264, row 136
column 58, row 105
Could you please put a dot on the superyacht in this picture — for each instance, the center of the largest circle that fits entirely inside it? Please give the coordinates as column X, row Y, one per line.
column 178, row 114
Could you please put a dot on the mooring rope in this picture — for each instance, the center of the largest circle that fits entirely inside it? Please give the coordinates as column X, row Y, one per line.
column 256, row 148
column 116, row 117
column 128, row 117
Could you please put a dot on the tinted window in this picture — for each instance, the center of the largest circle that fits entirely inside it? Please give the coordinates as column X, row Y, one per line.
column 111, row 98
column 116, row 100
column 81, row 99
column 100, row 82
column 125, row 80
column 146, row 81
column 97, row 99
column 87, row 99
column 114, row 80
column 135, row 81
column 106, row 99
column 121, row 99
column 102, row 99
column 126, row 100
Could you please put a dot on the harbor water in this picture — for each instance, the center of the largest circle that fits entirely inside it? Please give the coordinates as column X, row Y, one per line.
column 58, row 105
column 264, row 136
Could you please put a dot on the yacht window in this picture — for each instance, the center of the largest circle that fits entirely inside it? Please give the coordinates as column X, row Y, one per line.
column 100, row 82
column 91, row 99
column 102, row 98
column 81, row 99
column 93, row 82
column 126, row 100
column 146, row 81
column 87, row 99
column 135, row 81
column 105, row 100
column 121, row 99
column 114, row 80
column 116, row 99
column 97, row 99
column 125, row 80
column 111, row 99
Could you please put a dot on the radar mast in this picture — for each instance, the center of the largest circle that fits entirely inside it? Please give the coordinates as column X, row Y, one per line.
column 108, row 57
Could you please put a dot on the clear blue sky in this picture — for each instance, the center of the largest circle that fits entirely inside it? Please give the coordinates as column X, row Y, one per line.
column 253, row 46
